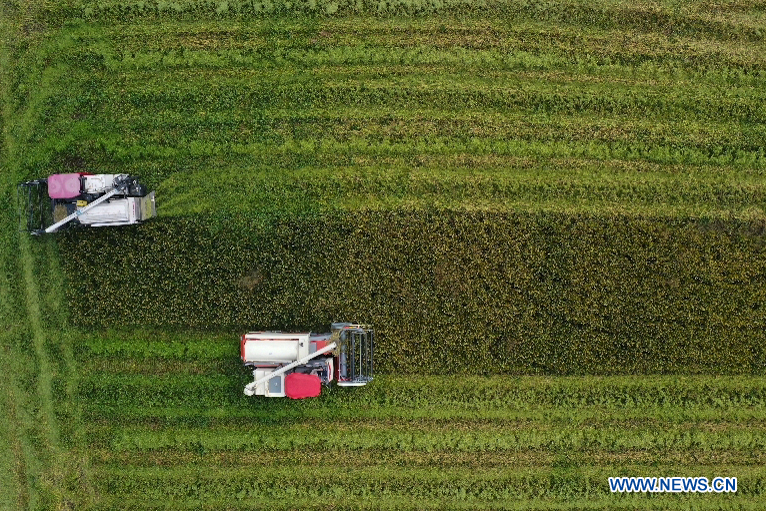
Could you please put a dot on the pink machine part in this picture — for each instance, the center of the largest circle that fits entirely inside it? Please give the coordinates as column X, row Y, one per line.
column 64, row 186
column 301, row 386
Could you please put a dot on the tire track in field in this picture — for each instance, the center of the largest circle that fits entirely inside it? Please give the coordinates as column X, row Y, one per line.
column 71, row 373
column 18, row 458
column 19, row 462
column 34, row 462
column 62, row 462
column 45, row 380
column 49, row 473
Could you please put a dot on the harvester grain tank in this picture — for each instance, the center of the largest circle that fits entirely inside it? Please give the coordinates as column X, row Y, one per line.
column 96, row 200
column 296, row 365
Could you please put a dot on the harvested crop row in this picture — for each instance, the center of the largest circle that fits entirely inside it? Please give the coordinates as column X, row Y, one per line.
column 120, row 102
column 420, row 436
column 255, row 191
column 397, row 502
column 342, row 122
column 453, row 93
column 221, row 460
column 711, row 21
column 478, row 40
column 475, row 176
column 652, row 396
column 152, row 345
column 237, row 414
column 459, row 484
column 555, row 455
column 320, row 155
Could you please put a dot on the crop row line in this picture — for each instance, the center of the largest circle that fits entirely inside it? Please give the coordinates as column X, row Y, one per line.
column 534, row 458
column 622, row 391
column 235, row 415
column 570, row 99
column 459, row 484
column 710, row 140
column 119, row 151
column 613, row 65
column 637, row 17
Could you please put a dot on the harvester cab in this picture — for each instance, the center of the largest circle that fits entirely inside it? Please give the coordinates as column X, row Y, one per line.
column 96, row 200
column 296, row 365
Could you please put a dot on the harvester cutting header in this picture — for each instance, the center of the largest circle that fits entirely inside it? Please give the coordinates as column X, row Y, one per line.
column 296, row 365
column 96, row 200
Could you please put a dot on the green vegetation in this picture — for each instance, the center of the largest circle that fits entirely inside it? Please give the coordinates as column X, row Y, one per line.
column 495, row 293
column 163, row 428
column 635, row 108
column 554, row 209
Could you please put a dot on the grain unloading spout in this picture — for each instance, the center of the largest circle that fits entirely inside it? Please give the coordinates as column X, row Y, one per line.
column 250, row 388
column 82, row 211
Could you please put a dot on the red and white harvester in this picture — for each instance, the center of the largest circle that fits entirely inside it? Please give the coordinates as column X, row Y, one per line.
column 296, row 365
column 97, row 200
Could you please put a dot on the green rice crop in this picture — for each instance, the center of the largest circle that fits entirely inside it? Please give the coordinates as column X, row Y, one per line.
column 552, row 212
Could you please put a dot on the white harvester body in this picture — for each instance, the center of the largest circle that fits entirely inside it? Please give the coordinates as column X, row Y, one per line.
column 124, row 211
column 295, row 365
column 274, row 347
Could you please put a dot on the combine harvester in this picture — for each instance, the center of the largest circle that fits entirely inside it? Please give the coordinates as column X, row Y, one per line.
column 296, row 365
column 96, row 200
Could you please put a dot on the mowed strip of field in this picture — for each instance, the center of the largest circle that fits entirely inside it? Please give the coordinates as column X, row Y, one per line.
column 180, row 428
column 283, row 116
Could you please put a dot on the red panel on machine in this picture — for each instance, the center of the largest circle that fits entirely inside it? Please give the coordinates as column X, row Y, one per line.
column 64, row 186
column 299, row 386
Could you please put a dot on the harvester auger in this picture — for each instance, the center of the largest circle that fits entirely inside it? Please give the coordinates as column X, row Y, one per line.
column 97, row 200
column 296, row 365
